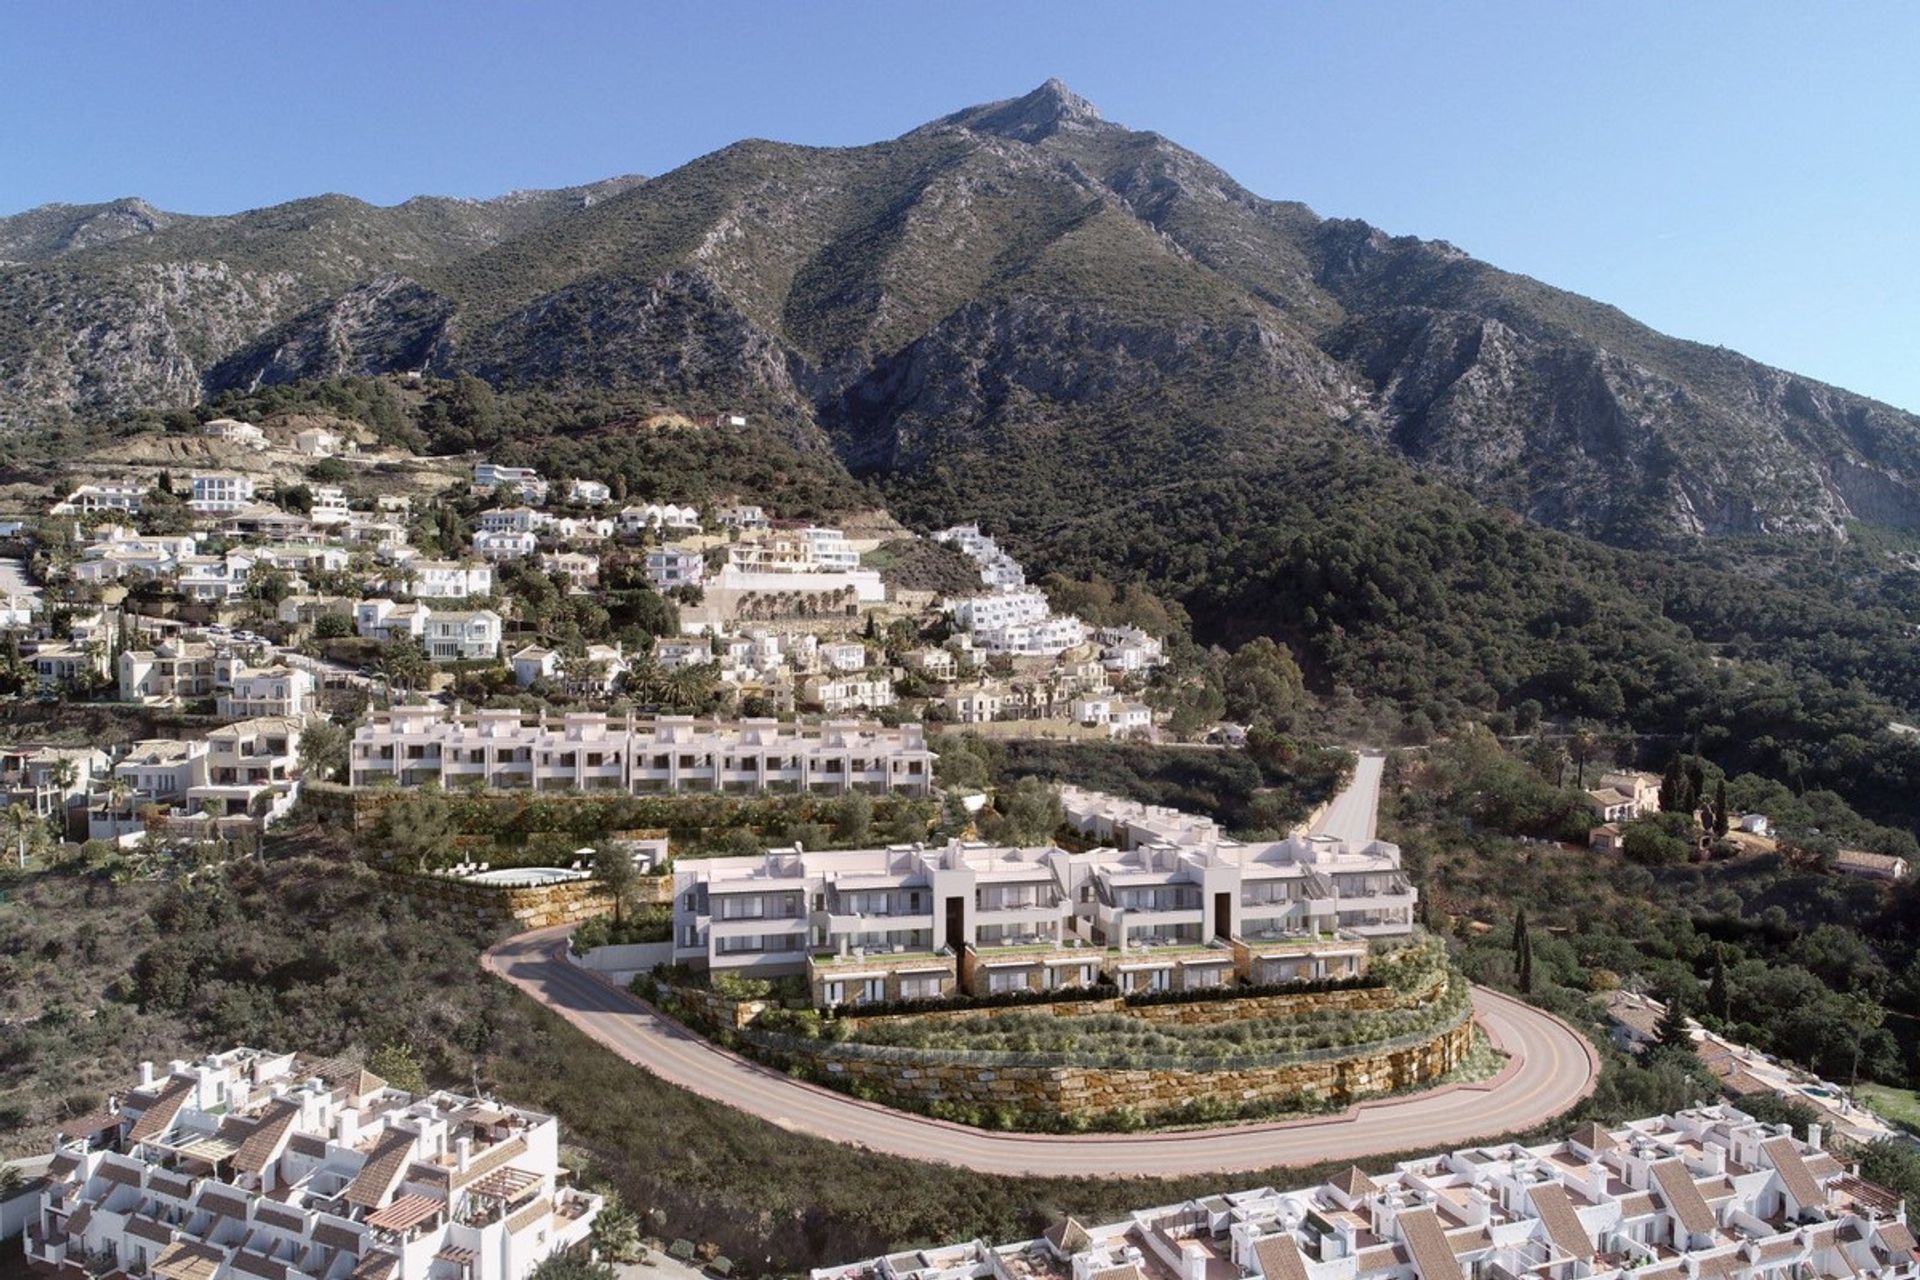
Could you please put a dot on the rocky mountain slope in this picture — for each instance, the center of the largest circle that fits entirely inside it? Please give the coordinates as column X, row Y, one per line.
column 1021, row 290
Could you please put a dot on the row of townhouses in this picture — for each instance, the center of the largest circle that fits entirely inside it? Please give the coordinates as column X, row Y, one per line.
column 1172, row 907
column 1706, row 1192
column 592, row 751
column 253, row 1165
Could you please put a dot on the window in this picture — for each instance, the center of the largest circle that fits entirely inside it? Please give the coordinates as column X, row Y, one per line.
column 873, row 990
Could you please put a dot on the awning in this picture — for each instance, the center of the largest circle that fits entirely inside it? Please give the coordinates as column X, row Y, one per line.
column 505, row 1184
column 407, row 1212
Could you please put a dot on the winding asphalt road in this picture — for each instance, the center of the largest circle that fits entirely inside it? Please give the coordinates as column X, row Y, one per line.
column 1354, row 814
column 1550, row 1068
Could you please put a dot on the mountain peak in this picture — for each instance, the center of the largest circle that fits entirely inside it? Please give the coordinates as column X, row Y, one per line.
column 1039, row 115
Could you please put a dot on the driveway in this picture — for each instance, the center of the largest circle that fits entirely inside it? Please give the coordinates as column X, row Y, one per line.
column 1354, row 815
column 1551, row 1067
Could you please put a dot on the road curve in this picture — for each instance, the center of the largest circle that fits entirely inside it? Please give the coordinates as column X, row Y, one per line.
column 1550, row 1068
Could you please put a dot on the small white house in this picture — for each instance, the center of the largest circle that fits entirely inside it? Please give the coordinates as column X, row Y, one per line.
column 233, row 431
column 504, row 546
column 1756, row 824
column 317, row 442
column 589, row 492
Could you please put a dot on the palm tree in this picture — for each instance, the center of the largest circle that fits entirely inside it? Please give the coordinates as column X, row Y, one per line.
column 24, row 828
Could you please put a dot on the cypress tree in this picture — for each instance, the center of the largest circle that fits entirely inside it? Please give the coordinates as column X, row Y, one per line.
column 1719, row 999
column 1720, row 819
column 1673, row 785
column 1522, row 953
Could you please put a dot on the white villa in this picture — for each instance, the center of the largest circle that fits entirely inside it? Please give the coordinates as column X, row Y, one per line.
column 220, row 492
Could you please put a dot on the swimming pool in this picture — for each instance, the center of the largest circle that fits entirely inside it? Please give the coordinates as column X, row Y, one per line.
column 526, row 877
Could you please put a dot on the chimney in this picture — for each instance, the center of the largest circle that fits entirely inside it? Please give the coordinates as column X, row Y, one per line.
column 1813, row 1136
column 463, row 1152
column 146, row 1075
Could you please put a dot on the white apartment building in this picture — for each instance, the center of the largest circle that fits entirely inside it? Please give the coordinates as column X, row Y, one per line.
column 524, row 481
column 582, row 570
column 1126, row 650
column 445, row 579
column 317, row 442
column 1048, row 638
column 382, row 619
column 511, row 520
column 670, row 567
column 589, row 492
column 172, row 671
column 841, row 655
column 812, row 559
column 233, row 431
column 462, row 635
column 329, row 505
column 745, row 518
column 220, row 493
column 103, row 495
column 591, row 751
column 837, row 694
column 999, row 609
column 214, row 579
column 977, row 704
column 269, row 691
column 1119, row 717
column 1706, row 1192
column 504, row 545
column 154, row 771
column 257, row 1165
column 251, row 767
column 997, row 568
column 659, row 516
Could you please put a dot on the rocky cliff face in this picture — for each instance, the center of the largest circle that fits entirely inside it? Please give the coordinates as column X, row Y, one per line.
column 1017, row 277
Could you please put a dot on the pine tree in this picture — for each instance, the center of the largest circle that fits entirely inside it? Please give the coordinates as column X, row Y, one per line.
column 1721, row 820
column 1671, row 1030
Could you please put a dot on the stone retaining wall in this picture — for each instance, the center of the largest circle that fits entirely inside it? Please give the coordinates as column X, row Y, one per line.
column 1186, row 1013
column 534, row 907
column 1095, row 1091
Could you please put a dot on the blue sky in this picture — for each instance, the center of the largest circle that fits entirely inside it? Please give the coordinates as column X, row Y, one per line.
column 1744, row 174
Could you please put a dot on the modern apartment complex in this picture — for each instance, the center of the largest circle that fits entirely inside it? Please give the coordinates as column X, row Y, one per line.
column 251, row 1165
column 910, row 922
column 1704, row 1193
column 591, row 751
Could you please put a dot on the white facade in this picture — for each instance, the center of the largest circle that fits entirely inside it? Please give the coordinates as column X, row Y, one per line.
column 659, row 515
column 269, row 691
column 591, row 751
column 244, row 434
column 447, row 579
column 382, row 619
column 582, row 570
column 220, row 492
column 1706, row 1192
column 525, row 481
column 462, row 636
column 251, row 1165
column 589, row 492
column 103, row 495
column 504, row 546
column 670, row 567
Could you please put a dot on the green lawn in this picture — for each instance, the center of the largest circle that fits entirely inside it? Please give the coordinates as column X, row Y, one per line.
column 1899, row 1106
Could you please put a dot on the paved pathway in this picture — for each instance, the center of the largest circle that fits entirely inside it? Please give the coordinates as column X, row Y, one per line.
column 1354, row 815
column 1551, row 1067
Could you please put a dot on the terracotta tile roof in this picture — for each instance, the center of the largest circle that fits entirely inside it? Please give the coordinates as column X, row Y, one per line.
column 77, row 1221
column 228, row 1204
column 1469, row 1240
column 263, row 1144
column 1897, row 1239
column 1637, row 1205
column 156, row 1119
column 1128, row 1272
column 1821, row 1164
column 1784, row 1155
column 164, row 1183
column 88, row 1125
column 255, row 1264
column 1279, row 1258
column 1354, row 1183
column 335, row 1236
column 1776, row 1250
column 187, row 1260
column 1594, row 1138
column 63, row 1166
column 307, row 1144
column 278, row 1215
column 375, row 1266
column 1432, row 1256
column 1066, row 1236
column 528, row 1216
column 1562, row 1221
column 1720, row 1264
column 1683, row 1198
column 375, row 1180
column 1380, row 1257
column 150, row 1229
column 125, row 1175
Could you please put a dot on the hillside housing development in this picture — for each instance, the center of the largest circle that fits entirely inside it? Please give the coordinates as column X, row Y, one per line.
column 1707, row 1192
column 593, row 751
column 1173, row 910
column 253, row 1165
